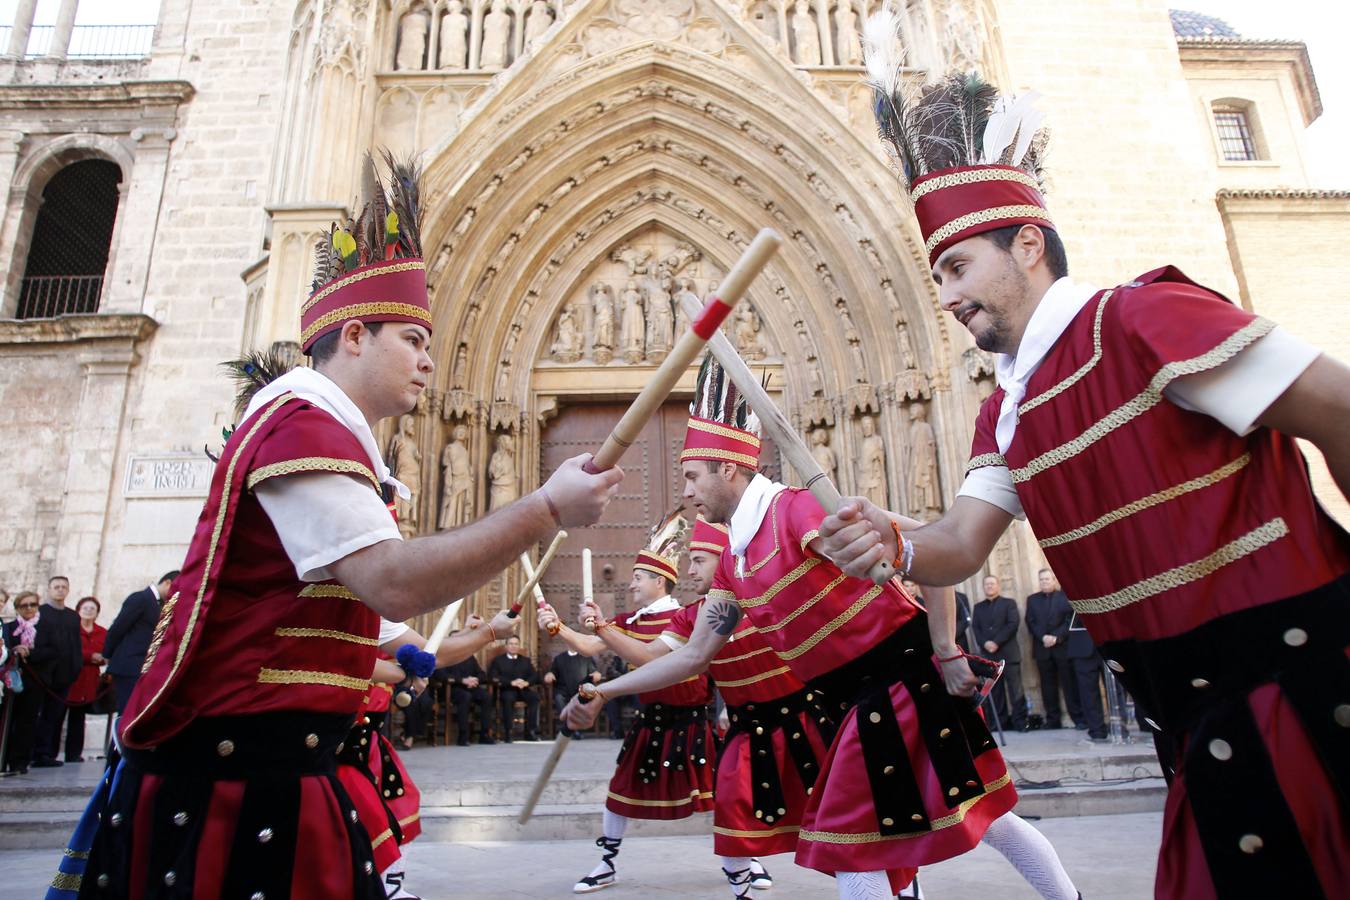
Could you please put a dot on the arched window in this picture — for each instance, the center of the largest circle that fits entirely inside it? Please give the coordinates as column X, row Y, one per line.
column 69, row 250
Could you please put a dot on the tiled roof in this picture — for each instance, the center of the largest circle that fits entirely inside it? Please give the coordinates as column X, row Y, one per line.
column 1193, row 24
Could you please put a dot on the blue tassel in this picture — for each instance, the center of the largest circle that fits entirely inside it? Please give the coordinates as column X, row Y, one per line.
column 415, row 662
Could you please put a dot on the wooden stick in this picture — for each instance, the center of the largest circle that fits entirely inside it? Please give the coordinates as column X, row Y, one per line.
column 587, row 587
column 559, row 745
column 533, row 580
column 777, row 427
column 703, row 325
column 442, row 628
column 539, row 600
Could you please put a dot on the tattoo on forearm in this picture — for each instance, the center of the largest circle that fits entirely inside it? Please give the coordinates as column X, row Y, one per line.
column 723, row 617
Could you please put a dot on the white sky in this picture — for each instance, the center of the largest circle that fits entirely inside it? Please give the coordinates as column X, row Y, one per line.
column 1324, row 25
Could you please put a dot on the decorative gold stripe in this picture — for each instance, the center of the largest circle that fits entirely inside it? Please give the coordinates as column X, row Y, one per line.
column 974, row 176
column 657, row 570
column 210, row 557
column 305, row 676
column 809, row 537
column 871, row 837
column 65, row 881
column 339, row 591
column 384, row 836
column 783, row 622
column 675, row 637
column 408, row 820
column 761, row 833
column 76, row 854
column 357, row 310
column 743, row 459
column 961, row 223
column 723, row 431
column 717, row 661
column 327, row 633
column 707, row 545
column 1046, row 396
column 719, row 594
column 1145, row 400
column 1184, row 574
column 359, row 276
column 157, row 636
column 985, row 459
column 777, row 587
column 631, row 801
column 1151, row 500
column 310, row 464
column 833, row 625
column 742, row 682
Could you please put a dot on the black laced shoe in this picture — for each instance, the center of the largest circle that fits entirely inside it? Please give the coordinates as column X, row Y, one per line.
column 610, row 848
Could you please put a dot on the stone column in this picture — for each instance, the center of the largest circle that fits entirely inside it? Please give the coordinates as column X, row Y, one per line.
column 290, row 268
column 23, row 27
column 65, row 24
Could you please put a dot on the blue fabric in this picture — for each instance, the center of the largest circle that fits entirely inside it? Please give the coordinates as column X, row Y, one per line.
column 76, row 857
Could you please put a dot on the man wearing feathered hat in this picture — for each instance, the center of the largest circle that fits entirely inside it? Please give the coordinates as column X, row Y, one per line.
column 225, row 784
column 665, row 767
column 912, row 775
column 1147, row 434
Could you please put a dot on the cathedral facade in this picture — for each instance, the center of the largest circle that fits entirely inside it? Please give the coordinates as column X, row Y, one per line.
column 587, row 165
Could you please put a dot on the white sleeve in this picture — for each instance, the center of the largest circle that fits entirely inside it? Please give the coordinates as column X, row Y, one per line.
column 1239, row 391
column 390, row 631
column 670, row 640
column 322, row 517
column 993, row 484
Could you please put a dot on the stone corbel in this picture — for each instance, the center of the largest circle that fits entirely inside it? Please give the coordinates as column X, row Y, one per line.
column 459, row 406
column 150, row 138
column 503, row 415
column 546, row 409
column 861, row 399
column 818, row 410
column 912, row 384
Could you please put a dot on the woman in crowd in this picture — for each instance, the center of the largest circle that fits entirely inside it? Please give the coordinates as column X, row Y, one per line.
column 19, row 636
column 85, row 688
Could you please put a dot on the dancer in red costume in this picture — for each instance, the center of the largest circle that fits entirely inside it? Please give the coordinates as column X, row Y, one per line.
column 1147, row 434
column 226, row 785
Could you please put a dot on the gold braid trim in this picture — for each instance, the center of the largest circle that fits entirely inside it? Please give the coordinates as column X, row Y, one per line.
column 872, row 837
column 357, row 310
column 339, row 591
column 1182, row 575
column 157, row 637
column 974, row 176
column 824, row 592
column 310, row 464
column 1145, row 400
column 210, row 558
column 833, row 625
column 761, row 833
column 305, row 676
column 808, row 538
column 961, row 223
column 762, row 676
column 327, row 633
column 719, row 594
column 64, row 881
column 733, row 659
column 742, row 459
column 734, row 434
column 1148, row 502
column 359, row 276
column 75, row 854
column 777, row 587
column 384, row 836
column 408, row 820
column 1046, row 396
column 985, row 459
column 632, row 801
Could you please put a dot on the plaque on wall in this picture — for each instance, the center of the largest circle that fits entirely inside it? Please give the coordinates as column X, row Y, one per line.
column 169, row 475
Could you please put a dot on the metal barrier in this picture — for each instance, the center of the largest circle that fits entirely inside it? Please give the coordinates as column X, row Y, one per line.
column 89, row 41
column 45, row 296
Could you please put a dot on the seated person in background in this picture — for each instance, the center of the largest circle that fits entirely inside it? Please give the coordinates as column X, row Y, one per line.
column 468, row 685
column 615, row 667
column 515, row 678
column 568, row 671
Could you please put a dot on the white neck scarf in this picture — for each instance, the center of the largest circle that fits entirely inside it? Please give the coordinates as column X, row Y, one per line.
column 323, row 392
column 1061, row 303
column 660, row 605
column 749, row 515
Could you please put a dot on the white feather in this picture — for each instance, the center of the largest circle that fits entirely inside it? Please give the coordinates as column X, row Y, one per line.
column 1011, row 119
column 882, row 52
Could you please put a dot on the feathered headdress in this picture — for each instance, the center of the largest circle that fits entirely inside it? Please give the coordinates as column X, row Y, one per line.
column 370, row 267
column 722, row 427
column 251, row 373
column 665, row 542
column 971, row 158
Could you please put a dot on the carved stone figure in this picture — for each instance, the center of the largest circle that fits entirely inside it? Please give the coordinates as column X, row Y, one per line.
column 407, row 468
column 872, row 465
column 806, row 34
column 413, row 29
column 567, row 348
column 683, row 254
column 454, row 45
column 820, row 449
column 496, row 37
column 660, row 317
column 537, row 21
column 925, row 494
column 457, row 371
column 684, row 287
column 602, row 305
column 633, row 326
column 850, row 47
column 457, row 478
column 632, row 258
column 502, row 478
column 746, row 330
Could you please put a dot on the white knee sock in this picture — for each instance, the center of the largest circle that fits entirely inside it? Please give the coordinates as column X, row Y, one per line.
column 737, row 870
column 735, row 863
column 863, row 886
column 1032, row 855
column 612, row 826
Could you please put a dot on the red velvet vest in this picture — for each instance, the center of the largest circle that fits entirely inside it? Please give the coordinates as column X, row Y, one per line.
column 241, row 634
column 692, row 691
column 745, row 669
column 1154, row 518
column 812, row 615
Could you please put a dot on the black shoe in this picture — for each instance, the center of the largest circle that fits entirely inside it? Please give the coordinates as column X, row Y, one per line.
column 77, row 759
column 47, row 763
column 1053, row 726
column 462, row 742
column 507, row 739
column 1080, row 726
column 487, row 740
column 531, row 736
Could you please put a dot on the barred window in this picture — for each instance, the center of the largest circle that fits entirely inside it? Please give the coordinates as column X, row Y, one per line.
column 1235, row 135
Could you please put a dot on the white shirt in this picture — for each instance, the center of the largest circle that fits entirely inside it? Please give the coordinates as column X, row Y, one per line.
column 323, row 516
column 749, row 515
column 390, row 631
column 660, row 605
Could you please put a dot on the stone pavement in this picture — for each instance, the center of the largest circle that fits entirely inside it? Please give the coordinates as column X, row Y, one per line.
column 1109, row 857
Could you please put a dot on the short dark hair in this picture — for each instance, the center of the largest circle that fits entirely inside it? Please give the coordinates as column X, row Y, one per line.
column 57, row 578
column 714, row 465
column 1055, row 257
column 323, row 349
column 670, row 585
column 94, row 600
column 167, row 576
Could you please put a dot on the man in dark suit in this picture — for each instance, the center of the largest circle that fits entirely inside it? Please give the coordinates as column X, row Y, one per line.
column 995, row 620
column 56, row 660
column 468, row 685
column 515, row 678
column 1048, row 614
column 129, row 636
column 1087, row 673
